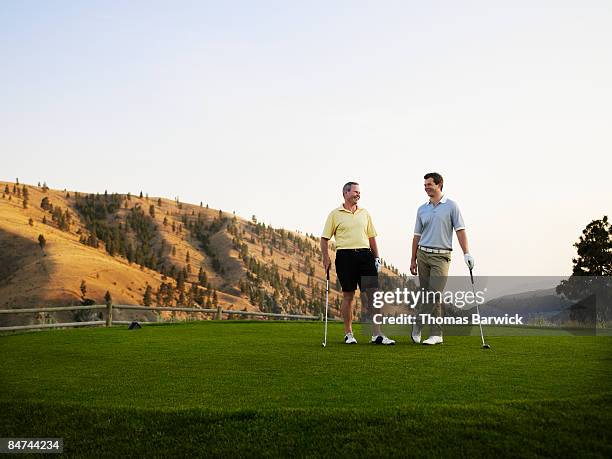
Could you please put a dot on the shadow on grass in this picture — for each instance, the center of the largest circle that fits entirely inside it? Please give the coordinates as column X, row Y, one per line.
column 551, row 428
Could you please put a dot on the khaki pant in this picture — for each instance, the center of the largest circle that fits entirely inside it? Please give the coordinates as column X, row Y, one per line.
column 433, row 273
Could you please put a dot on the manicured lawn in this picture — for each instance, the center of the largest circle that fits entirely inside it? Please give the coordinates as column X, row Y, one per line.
column 269, row 388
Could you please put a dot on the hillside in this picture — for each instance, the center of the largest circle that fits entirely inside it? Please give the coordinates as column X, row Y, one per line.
column 177, row 253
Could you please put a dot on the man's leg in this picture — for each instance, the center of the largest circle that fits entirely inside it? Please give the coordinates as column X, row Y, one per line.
column 421, row 308
column 369, row 311
column 347, row 311
column 438, row 275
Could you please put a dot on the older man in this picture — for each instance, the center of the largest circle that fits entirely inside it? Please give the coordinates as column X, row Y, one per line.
column 357, row 261
column 432, row 245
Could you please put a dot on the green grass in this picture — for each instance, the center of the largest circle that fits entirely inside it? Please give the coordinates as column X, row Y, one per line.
column 265, row 388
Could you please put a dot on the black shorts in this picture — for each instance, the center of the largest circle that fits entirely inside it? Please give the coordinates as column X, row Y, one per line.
column 356, row 267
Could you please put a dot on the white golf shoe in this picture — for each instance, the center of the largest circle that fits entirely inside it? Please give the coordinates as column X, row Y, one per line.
column 349, row 339
column 416, row 333
column 433, row 340
column 382, row 339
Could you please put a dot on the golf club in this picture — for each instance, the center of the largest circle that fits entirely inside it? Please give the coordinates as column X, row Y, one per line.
column 484, row 345
column 326, row 305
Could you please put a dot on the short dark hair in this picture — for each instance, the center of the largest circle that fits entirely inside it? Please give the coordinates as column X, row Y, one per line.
column 437, row 178
column 347, row 187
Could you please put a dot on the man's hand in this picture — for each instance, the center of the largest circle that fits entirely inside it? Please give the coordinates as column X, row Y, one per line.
column 378, row 264
column 326, row 263
column 469, row 260
column 413, row 267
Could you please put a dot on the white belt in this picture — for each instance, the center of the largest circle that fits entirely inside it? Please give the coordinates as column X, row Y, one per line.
column 432, row 250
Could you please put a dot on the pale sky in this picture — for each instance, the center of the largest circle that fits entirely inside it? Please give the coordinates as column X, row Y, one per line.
column 267, row 108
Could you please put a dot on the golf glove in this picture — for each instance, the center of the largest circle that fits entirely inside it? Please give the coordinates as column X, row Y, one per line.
column 469, row 260
column 378, row 264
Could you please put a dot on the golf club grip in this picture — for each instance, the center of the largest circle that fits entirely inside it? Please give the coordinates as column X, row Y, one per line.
column 327, row 273
column 471, row 276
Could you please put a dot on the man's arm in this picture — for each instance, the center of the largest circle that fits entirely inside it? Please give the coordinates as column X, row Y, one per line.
column 325, row 252
column 463, row 242
column 413, row 259
column 373, row 246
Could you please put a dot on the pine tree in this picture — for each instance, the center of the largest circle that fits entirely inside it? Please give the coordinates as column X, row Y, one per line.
column 202, row 278
column 31, row 222
column 42, row 241
column 159, row 202
column 83, row 289
column 141, row 195
column 594, row 250
column 152, row 211
column 165, row 221
column 147, row 297
column 108, row 299
column 187, row 258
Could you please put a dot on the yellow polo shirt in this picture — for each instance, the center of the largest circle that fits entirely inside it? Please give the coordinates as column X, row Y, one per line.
column 351, row 230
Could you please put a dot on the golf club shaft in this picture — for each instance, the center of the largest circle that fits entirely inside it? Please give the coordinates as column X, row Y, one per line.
column 326, row 305
column 477, row 310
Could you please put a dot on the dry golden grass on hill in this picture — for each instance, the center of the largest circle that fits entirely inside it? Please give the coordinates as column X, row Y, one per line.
column 32, row 277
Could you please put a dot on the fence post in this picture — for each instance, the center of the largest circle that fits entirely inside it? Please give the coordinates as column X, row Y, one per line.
column 219, row 314
column 109, row 310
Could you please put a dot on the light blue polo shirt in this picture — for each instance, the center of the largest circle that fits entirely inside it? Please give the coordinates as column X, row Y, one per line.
column 435, row 224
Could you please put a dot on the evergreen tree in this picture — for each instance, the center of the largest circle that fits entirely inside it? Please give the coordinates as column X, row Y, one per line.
column 147, row 297
column 83, row 289
column 152, row 211
column 31, row 222
column 202, row 278
column 42, row 241
column 159, row 202
column 592, row 267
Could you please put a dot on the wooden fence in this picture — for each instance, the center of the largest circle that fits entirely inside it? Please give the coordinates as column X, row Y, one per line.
column 217, row 312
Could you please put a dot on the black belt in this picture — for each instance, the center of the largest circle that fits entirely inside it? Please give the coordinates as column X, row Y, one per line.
column 353, row 250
